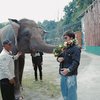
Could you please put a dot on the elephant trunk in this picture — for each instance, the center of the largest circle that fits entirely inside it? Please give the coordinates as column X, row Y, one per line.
column 43, row 46
column 46, row 48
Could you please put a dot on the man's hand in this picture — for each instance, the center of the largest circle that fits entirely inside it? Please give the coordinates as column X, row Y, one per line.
column 19, row 53
column 12, row 81
column 64, row 71
column 60, row 59
column 41, row 63
column 33, row 64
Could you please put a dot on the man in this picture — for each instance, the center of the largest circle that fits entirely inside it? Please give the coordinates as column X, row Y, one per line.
column 37, row 60
column 7, row 75
column 70, row 59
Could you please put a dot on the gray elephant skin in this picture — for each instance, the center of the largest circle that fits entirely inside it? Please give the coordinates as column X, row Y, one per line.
column 26, row 36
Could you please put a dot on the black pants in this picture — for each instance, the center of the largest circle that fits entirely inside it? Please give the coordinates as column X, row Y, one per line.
column 7, row 90
column 37, row 66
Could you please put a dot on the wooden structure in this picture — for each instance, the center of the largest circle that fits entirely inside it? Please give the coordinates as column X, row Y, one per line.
column 78, row 35
column 91, row 24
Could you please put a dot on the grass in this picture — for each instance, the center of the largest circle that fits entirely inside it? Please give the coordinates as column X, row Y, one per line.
column 0, row 95
column 48, row 89
column 45, row 87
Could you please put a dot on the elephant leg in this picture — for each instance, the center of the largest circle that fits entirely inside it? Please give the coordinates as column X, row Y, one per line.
column 17, row 86
column 19, row 66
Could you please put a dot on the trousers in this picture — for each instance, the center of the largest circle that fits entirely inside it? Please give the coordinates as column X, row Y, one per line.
column 7, row 90
column 38, row 67
column 69, row 87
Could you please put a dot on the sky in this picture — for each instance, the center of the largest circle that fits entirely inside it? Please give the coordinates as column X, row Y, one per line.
column 37, row 10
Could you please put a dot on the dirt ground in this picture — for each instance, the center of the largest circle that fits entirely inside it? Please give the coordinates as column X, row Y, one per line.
column 51, row 78
column 49, row 88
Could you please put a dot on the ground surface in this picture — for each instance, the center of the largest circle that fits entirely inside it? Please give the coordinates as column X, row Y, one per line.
column 49, row 89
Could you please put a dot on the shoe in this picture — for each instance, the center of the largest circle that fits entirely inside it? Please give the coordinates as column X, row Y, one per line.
column 19, row 98
column 36, row 79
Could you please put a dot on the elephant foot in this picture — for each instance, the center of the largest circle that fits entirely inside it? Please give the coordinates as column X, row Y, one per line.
column 19, row 98
column 21, row 88
column 18, row 95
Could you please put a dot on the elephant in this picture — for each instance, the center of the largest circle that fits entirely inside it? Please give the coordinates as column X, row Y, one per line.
column 26, row 36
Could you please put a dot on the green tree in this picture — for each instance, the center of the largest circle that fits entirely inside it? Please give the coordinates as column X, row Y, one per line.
column 49, row 25
column 3, row 24
column 73, row 10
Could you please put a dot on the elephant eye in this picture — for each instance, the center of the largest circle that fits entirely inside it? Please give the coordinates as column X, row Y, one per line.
column 26, row 33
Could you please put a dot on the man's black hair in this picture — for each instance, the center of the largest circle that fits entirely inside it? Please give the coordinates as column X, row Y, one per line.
column 70, row 34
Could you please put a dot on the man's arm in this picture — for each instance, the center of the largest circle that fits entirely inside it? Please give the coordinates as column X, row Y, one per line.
column 75, row 59
column 15, row 57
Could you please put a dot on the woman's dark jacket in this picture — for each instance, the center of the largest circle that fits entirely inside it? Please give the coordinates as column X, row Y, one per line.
column 71, row 59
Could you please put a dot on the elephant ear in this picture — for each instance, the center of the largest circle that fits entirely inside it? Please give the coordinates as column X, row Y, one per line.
column 15, row 26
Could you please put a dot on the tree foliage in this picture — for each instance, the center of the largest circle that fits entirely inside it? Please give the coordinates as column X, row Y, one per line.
column 49, row 25
column 3, row 24
column 74, row 9
column 70, row 20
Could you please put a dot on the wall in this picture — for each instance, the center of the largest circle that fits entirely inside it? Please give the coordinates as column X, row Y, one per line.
column 91, row 27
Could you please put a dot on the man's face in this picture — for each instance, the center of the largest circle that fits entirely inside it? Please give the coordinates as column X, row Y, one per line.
column 67, row 38
column 8, row 47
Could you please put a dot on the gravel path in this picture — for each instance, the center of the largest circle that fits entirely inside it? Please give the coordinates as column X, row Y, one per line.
column 50, row 69
column 50, row 72
column 88, row 79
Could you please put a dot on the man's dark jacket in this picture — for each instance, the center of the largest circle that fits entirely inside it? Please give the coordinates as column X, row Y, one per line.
column 71, row 59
